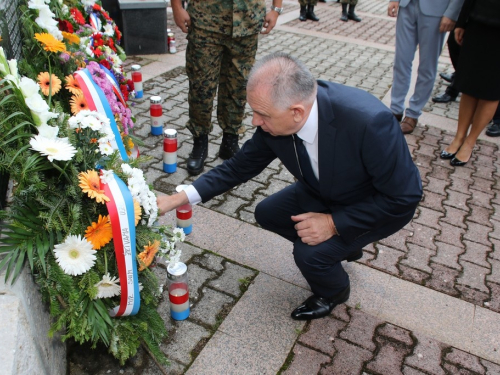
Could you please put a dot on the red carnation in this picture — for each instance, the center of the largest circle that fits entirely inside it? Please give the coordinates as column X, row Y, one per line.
column 105, row 63
column 97, row 7
column 65, row 25
column 97, row 52
column 130, row 84
column 111, row 44
column 124, row 90
column 118, row 33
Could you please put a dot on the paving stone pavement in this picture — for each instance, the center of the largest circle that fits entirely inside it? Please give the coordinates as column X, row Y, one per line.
column 449, row 252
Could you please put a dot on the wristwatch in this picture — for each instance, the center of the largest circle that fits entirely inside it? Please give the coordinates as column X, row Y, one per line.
column 279, row 10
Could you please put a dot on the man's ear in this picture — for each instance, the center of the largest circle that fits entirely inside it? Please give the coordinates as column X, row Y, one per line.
column 298, row 112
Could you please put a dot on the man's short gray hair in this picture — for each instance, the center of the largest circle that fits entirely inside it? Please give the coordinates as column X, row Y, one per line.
column 289, row 80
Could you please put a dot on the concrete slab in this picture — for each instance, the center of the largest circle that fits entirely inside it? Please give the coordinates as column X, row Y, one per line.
column 485, row 341
column 258, row 334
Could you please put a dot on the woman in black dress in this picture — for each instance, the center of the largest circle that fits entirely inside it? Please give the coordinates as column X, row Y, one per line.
column 478, row 75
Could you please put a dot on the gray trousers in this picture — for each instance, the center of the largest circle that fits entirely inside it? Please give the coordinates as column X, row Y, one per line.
column 413, row 29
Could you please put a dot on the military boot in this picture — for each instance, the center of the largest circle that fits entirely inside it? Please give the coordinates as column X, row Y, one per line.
column 351, row 15
column 343, row 17
column 196, row 160
column 310, row 13
column 303, row 11
column 229, row 146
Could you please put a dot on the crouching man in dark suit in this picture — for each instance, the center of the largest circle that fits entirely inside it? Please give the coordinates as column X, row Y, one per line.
column 356, row 181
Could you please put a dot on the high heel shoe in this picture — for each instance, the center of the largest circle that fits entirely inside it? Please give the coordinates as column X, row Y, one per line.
column 457, row 162
column 446, row 155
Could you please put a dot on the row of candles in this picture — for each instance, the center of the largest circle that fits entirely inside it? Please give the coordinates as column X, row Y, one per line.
column 177, row 280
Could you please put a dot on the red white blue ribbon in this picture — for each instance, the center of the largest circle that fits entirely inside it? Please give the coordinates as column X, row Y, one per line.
column 95, row 22
column 116, row 87
column 97, row 101
column 122, row 217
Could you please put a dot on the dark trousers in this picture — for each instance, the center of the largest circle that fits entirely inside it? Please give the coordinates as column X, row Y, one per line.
column 321, row 264
column 454, row 52
column 496, row 116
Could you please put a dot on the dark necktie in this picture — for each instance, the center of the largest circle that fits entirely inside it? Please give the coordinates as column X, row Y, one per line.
column 305, row 164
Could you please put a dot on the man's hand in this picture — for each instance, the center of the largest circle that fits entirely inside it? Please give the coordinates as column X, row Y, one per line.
column 392, row 10
column 270, row 22
column 181, row 16
column 314, row 228
column 459, row 35
column 168, row 203
column 447, row 24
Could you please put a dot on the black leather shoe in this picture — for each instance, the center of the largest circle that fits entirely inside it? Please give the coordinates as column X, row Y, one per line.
column 196, row 160
column 351, row 15
column 493, row 130
column 303, row 11
column 310, row 13
column 447, row 77
column 446, row 155
column 457, row 162
column 317, row 307
column 355, row 256
column 444, row 98
column 229, row 146
column 343, row 17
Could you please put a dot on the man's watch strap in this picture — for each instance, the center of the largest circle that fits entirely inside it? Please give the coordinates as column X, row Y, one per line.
column 279, row 10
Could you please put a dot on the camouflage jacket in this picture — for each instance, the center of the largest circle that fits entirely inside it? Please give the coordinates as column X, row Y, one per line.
column 230, row 17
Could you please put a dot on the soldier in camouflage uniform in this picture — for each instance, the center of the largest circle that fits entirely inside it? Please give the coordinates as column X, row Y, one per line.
column 349, row 15
column 222, row 43
column 307, row 10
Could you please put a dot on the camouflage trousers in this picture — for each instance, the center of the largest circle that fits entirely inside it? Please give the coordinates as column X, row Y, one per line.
column 217, row 60
column 351, row 2
column 303, row 3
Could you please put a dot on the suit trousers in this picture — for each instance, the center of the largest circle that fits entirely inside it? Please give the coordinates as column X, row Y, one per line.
column 320, row 264
column 413, row 29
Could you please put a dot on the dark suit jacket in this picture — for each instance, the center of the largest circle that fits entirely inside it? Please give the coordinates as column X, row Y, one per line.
column 368, row 180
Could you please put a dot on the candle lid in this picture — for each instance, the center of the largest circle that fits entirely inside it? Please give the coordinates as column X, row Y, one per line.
column 170, row 133
column 177, row 269
column 135, row 67
column 181, row 188
column 155, row 99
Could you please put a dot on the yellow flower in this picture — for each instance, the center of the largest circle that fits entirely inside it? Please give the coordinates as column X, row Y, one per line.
column 50, row 43
column 45, row 80
column 90, row 184
column 137, row 212
column 72, row 84
column 147, row 256
column 78, row 103
column 72, row 38
column 99, row 234
column 1, row 38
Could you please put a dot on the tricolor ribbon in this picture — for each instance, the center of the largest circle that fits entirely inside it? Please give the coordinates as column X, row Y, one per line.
column 122, row 217
column 95, row 22
column 96, row 101
column 116, row 87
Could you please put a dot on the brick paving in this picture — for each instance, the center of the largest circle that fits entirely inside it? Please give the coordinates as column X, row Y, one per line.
column 451, row 246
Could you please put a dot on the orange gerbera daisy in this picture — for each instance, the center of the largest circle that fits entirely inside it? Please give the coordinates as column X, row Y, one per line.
column 50, row 43
column 1, row 38
column 49, row 83
column 90, row 184
column 72, row 38
column 72, row 84
column 147, row 256
column 137, row 212
column 78, row 103
column 99, row 234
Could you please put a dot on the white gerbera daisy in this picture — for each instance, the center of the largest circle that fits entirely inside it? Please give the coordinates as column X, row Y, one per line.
column 57, row 148
column 108, row 287
column 75, row 255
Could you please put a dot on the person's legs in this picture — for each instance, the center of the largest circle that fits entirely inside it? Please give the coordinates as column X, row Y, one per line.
column 466, row 112
column 483, row 114
column 493, row 130
column 303, row 10
column 406, row 45
column 237, row 61
column 350, row 14
column 430, row 46
column 310, row 15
